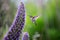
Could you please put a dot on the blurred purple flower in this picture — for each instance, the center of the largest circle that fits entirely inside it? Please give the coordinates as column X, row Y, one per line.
column 15, row 29
column 25, row 36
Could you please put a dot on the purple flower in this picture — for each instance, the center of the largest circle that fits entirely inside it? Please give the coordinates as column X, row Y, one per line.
column 25, row 36
column 17, row 25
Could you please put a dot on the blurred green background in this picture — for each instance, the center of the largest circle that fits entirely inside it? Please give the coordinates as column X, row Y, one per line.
column 47, row 25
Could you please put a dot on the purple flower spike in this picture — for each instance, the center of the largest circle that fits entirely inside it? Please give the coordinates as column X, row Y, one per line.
column 25, row 36
column 18, row 23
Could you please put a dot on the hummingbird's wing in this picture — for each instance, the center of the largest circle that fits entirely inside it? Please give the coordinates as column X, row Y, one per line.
column 36, row 17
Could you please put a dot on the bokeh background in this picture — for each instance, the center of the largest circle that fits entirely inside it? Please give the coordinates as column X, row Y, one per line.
column 45, row 27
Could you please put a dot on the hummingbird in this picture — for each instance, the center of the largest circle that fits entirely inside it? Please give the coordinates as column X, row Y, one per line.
column 34, row 18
